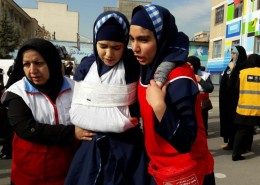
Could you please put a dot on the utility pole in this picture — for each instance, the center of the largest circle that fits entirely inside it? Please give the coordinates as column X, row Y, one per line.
column 78, row 41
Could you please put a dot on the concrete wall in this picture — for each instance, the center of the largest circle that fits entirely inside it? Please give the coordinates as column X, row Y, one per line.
column 56, row 18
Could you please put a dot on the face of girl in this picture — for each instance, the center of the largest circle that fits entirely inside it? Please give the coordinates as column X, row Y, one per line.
column 110, row 52
column 143, row 44
column 35, row 67
column 233, row 55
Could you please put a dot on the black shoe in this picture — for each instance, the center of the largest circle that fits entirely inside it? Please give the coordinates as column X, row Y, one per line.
column 238, row 158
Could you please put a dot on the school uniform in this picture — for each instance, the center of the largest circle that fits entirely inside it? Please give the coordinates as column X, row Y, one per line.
column 116, row 154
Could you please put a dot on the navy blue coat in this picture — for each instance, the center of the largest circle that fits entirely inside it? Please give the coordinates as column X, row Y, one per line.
column 111, row 158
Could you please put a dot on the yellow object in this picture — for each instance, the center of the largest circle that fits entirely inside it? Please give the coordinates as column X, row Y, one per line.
column 249, row 93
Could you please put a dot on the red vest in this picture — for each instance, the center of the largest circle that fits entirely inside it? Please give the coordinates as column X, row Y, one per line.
column 39, row 164
column 167, row 164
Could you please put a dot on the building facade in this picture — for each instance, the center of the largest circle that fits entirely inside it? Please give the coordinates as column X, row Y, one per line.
column 199, row 49
column 126, row 7
column 55, row 17
column 202, row 36
column 26, row 24
column 233, row 22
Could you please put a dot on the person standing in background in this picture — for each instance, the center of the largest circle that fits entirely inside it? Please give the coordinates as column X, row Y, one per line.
column 10, row 69
column 228, row 96
column 205, row 86
column 5, row 130
column 68, row 65
column 248, row 111
column 175, row 138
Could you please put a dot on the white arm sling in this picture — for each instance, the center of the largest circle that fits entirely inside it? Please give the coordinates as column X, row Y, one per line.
column 101, row 103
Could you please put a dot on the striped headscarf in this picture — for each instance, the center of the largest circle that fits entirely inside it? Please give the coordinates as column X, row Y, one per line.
column 171, row 45
column 102, row 31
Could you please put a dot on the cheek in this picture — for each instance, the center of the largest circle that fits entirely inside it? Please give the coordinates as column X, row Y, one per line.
column 26, row 72
column 152, row 51
column 47, row 75
column 119, row 54
column 46, row 72
column 100, row 52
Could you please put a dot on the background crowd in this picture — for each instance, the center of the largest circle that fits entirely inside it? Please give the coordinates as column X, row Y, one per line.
column 93, row 121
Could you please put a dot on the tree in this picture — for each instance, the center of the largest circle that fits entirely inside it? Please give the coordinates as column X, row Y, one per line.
column 9, row 36
column 43, row 33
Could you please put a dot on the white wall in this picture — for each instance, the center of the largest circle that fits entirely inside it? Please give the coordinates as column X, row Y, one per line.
column 56, row 18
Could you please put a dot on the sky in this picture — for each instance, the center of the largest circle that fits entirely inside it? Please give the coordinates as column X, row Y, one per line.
column 191, row 16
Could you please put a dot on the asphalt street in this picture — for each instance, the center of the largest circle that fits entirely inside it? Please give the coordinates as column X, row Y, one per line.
column 227, row 172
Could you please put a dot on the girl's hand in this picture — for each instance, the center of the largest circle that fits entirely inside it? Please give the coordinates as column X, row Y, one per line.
column 155, row 97
column 134, row 120
column 198, row 77
column 82, row 134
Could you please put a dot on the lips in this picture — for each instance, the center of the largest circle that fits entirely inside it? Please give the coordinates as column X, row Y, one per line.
column 139, row 58
column 109, row 60
column 36, row 78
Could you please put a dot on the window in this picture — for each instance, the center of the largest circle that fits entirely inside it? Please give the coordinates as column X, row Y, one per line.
column 238, row 9
column 219, row 16
column 257, row 45
column 217, row 49
column 235, row 42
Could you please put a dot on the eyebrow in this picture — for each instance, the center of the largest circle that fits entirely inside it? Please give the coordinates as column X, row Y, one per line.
column 142, row 36
column 111, row 45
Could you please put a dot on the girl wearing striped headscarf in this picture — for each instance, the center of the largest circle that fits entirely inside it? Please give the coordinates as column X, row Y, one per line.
column 105, row 101
column 175, row 138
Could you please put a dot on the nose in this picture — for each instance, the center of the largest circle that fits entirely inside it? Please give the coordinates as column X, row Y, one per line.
column 109, row 53
column 135, row 47
column 33, row 68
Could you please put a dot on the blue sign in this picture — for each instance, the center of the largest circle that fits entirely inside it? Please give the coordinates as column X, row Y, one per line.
column 233, row 29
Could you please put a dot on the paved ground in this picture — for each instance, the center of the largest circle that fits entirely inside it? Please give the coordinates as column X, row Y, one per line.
column 227, row 172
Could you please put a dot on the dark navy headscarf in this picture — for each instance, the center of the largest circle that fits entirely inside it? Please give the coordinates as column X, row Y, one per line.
column 51, row 56
column 195, row 62
column 253, row 60
column 172, row 46
column 113, row 26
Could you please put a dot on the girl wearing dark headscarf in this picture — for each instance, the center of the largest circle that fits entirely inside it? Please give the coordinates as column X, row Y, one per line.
column 228, row 96
column 247, row 111
column 105, row 102
column 175, row 137
column 38, row 101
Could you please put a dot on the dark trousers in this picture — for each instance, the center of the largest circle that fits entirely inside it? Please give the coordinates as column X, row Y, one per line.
column 209, row 179
column 205, row 116
column 243, row 139
column 7, row 145
column 232, row 132
column 8, row 138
